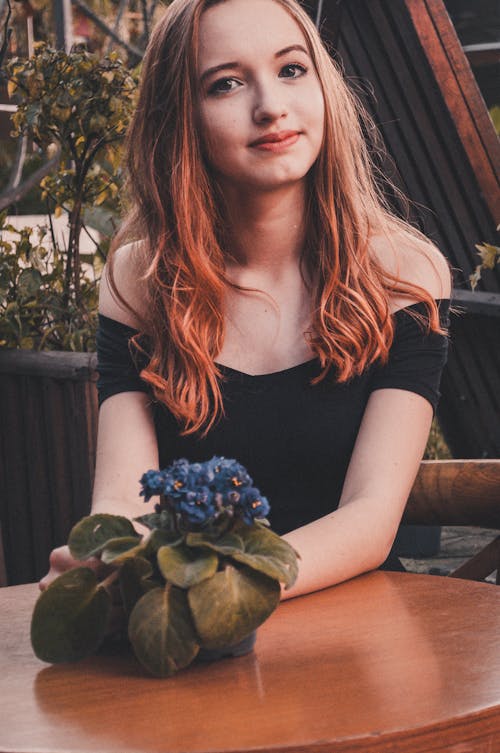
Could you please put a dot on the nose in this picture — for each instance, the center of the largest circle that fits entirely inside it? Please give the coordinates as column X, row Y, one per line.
column 269, row 104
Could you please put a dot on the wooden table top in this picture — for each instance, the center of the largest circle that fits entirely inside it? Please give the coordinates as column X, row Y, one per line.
column 386, row 662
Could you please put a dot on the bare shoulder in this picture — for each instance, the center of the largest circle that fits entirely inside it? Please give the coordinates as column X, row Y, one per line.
column 126, row 274
column 413, row 260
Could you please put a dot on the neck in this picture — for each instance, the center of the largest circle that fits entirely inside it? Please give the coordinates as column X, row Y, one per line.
column 267, row 230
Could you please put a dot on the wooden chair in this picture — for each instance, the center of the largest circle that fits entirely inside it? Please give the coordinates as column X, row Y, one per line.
column 460, row 493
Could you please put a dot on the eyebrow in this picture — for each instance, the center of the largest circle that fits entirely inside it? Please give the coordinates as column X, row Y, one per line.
column 225, row 66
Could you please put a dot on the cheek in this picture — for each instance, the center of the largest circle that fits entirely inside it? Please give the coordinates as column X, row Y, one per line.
column 221, row 132
column 316, row 110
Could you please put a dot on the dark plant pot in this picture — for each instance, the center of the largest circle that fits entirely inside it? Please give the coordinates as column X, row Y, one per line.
column 239, row 649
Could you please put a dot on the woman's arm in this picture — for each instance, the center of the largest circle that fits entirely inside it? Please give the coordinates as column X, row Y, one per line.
column 358, row 536
column 126, row 439
column 126, row 448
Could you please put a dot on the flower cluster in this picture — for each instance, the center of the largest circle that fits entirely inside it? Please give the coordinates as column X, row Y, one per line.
column 201, row 492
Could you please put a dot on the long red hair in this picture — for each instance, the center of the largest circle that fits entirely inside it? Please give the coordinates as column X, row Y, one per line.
column 176, row 215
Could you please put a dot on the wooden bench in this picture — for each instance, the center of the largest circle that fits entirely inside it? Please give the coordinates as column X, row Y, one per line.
column 460, row 493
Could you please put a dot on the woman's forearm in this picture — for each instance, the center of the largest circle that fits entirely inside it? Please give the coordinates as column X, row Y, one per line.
column 345, row 543
column 334, row 548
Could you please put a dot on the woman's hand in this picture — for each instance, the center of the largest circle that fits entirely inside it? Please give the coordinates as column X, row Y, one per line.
column 61, row 560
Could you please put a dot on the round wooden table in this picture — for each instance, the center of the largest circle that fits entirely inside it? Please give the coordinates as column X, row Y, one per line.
column 392, row 662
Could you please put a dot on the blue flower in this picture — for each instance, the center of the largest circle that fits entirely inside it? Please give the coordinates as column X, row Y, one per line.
column 199, row 493
column 253, row 505
column 197, row 506
column 153, row 483
column 200, row 474
column 176, row 478
column 229, row 474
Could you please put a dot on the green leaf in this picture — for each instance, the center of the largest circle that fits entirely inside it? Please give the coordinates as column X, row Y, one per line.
column 135, row 580
column 70, row 617
column 230, row 605
column 265, row 551
column 488, row 254
column 118, row 550
column 89, row 537
column 184, row 566
column 226, row 544
column 29, row 283
column 162, row 520
column 159, row 538
column 161, row 631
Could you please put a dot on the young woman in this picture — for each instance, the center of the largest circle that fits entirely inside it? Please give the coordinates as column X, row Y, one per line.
column 261, row 301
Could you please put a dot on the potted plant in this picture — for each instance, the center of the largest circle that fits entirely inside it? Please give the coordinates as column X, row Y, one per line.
column 75, row 108
column 197, row 586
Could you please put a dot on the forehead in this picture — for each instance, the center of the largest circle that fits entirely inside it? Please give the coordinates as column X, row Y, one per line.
column 235, row 28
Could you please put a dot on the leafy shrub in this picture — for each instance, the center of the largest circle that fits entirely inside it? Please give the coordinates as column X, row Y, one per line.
column 76, row 106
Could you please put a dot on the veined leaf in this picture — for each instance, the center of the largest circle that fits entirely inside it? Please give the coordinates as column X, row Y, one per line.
column 226, row 544
column 184, row 566
column 120, row 549
column 89, row 537
column 161, row 631
column 265, row 551
column 135, row 581
column 158, row 538
column 230, row 605
column 70, row 617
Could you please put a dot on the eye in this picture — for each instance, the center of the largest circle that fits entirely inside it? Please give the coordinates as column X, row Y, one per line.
column 222, row 86
column 292, row 68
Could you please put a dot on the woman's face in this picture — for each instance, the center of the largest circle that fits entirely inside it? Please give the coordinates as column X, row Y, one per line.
column 265, row 85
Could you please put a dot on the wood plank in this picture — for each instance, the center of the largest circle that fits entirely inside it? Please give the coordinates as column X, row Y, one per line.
column 404, row 73
column 14, row 513
column 454, row 493
column 478, row 301
column 56, row 364
column 38, row 500
column 461, row 94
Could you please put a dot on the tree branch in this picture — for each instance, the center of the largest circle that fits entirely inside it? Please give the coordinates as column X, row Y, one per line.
column 131, row 49
column 17, row 168
column 17, row 193
column 121, row 9
column 6, row 35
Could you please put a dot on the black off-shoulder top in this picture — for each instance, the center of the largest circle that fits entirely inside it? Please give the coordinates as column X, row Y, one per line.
column 294, row 439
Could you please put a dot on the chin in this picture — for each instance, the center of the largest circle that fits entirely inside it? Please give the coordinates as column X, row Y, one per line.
column 269, row 180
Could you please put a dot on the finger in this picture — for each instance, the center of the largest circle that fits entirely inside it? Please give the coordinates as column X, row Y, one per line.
column 60, row 561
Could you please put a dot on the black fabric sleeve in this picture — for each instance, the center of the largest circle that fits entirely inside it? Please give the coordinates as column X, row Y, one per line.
column 416, row 359
column 118, row 363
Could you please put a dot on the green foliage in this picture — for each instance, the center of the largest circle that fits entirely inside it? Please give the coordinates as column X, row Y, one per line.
column 76, row 105
column 490, row 256
column 184, row 566
column 70, row 617
column 161, row 631
column 179, row 592
column 436, row 448
column 227, row 607
column 93, row 533
column 495, row 116
column 83, row 104
column 36, row 310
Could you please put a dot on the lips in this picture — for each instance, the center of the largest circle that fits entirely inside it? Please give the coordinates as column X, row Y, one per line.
column 273, row 138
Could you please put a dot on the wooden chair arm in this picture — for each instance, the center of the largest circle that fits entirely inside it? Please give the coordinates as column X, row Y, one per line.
column 455, row 493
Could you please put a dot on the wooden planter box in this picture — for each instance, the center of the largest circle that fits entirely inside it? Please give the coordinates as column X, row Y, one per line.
column 48, row 409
